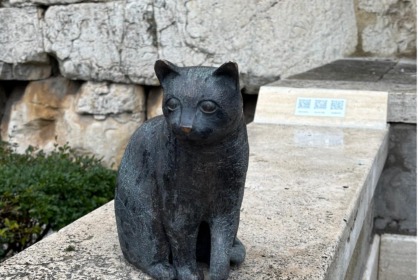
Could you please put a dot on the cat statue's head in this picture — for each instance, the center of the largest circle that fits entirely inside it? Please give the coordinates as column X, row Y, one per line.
column 201, row 104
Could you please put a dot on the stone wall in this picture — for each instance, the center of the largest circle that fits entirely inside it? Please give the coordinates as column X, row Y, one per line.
column 93, row 117
column 89, row 63
column 386, row 28
column 119, row 41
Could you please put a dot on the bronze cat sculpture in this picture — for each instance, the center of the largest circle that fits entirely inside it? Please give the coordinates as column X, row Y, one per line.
column 181, row 181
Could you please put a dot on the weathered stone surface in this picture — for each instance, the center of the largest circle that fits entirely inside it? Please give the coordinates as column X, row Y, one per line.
column 119, row 41
column 397, row 257
column 31, row 112
column 24, row 72
column 36, row 114
column 353, row 70
column 396, row 196
column 297, row 220
column 372, row 263
column 212, row 32
column 105, row 137
column 154, row 102
column 21, row 45
column 395, row 29
column 402, row 107
column 113, row 41
column 101, row 99
column 27, row 3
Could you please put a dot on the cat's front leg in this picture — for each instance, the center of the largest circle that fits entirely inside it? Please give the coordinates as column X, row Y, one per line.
column 182, row 235
column 223, row 232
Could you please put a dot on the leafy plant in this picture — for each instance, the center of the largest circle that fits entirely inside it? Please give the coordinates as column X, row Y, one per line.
column 40, row 192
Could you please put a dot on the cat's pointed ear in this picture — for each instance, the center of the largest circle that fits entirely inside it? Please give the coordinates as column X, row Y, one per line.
column 165, row 69
column 229, row 71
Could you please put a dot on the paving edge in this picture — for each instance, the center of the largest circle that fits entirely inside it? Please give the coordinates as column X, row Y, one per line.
column 358, row 211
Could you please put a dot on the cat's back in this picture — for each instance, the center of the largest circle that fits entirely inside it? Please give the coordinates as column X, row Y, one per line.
column 143, row 146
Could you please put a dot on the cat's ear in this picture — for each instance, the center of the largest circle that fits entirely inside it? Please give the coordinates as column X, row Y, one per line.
column 165, row 69
column 229, row 71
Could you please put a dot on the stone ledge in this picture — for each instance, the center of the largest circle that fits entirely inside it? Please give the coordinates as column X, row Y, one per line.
column 397, row 77
column 307, row 193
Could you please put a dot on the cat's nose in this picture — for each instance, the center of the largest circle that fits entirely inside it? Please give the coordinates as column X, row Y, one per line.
column 186, row 129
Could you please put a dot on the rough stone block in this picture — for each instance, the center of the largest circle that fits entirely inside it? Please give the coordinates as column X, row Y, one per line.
column 98, row 119
column 119, row 41
column 212, row 32
column 31, row 112
column 24, row 72
column 102, row 99
column 106, row 137
column 22, row 55
column 113, row 41
column 398, row 257
column 154, row 102
column 395, row 29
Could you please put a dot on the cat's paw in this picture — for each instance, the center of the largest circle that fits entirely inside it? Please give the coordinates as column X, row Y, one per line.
column 238, row 253
column 186, row 273
column 162, row 271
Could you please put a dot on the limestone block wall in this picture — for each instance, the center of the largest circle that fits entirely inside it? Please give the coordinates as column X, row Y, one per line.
column 82, row 70
column 387, row 28
column 94, row 118
column 119, row 41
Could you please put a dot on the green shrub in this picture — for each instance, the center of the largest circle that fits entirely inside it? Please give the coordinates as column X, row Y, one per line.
column 40, row 191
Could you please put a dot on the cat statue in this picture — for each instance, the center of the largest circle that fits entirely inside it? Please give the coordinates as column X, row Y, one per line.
column 181, row 181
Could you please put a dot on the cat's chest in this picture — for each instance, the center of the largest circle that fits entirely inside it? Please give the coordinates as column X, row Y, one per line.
column 194, row 170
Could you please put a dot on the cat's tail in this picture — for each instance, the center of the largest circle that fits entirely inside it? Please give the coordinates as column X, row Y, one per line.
column 238, row 253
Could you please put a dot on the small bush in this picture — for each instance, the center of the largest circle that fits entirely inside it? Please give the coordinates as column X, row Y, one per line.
column 40, row 191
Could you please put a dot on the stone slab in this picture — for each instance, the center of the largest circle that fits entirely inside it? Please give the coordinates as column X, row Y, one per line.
column 354, row 70
column 372, row 264
column 397, row 77
column 403, row 102
column 364, row 109
column 398, row 257
column 404, row 72
column 306, row 197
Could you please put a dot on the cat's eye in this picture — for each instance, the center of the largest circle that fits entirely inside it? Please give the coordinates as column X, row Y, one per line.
column 208, row 107
column 172, row 104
